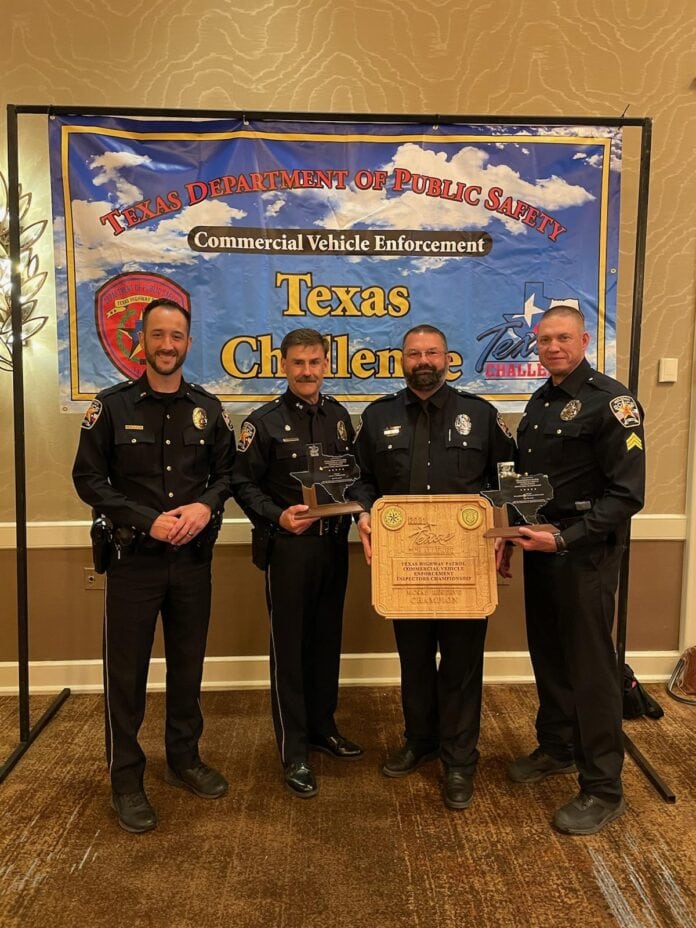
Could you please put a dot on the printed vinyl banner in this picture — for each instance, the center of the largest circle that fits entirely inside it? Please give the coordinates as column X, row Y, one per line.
column 359, row 230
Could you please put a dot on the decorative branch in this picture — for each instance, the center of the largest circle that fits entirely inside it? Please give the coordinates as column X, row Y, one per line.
column 32, row 278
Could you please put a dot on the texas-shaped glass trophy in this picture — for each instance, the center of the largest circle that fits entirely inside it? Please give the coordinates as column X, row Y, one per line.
column 325, row 482
column 526, row 493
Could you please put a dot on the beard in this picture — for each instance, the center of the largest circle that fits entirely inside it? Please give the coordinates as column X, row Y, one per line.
column 425, row 377
column 155, row 360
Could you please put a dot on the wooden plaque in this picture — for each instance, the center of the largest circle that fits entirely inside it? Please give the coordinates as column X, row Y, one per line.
column 431, row 559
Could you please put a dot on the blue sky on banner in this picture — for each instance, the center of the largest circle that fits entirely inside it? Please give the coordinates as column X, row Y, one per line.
column 535, row 208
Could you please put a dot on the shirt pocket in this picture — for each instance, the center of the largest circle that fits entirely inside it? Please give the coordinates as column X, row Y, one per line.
column 291, row 456
column 135, row 451
column 561, row 441
column 393, row 462
column 468, row 454
column 198, row 445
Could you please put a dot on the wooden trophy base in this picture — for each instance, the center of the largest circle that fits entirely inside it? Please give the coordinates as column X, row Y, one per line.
column 503, row 529
column 324, row 510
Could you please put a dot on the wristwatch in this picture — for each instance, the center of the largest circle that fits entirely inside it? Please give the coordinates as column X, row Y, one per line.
column 560, row 543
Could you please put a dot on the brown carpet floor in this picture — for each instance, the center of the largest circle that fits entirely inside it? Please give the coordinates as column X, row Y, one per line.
column 367, row 852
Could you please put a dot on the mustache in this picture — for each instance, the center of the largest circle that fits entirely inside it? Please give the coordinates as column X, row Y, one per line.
column 307, row 379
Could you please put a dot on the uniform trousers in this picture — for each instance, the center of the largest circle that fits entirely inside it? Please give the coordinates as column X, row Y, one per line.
column 175, row 583
column 569, row 602
column 305, row 589
column 442, row 704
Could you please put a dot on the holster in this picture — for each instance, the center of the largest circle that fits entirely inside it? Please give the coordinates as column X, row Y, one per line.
column 261, row 543
column 101, row 534
column 204, row 543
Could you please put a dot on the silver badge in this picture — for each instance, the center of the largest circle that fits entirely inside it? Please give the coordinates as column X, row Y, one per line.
column 462, row 424
column 200, row 417
column 570, row 410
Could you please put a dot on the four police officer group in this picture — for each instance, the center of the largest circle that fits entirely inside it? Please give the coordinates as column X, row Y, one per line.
column 157, row 460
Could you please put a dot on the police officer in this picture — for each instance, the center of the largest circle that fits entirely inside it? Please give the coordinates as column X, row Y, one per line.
column 305, row 559
column 430, row 438
column 585, row 431
column 155, row 459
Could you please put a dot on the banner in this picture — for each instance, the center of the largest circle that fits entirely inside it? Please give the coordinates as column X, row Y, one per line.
column 359, row 230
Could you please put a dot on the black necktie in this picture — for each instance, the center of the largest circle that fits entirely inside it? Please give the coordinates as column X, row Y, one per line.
column 312, row 412
column 421, row 452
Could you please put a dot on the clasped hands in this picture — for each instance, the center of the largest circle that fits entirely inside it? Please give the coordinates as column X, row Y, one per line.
column 181, row 525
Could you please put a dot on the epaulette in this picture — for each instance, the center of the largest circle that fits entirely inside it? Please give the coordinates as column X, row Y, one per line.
column 608, row 384
column 197, row 388
column 473, row 396
column 117, row 388
column 387, row 397
column 264, row 410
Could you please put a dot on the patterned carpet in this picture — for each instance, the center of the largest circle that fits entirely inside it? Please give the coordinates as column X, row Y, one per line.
column 367, row 851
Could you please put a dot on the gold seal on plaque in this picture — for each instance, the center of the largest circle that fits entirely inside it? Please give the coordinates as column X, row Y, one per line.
column 393, row 517
column 469, row 517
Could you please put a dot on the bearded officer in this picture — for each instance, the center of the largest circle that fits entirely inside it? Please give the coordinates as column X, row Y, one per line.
column 155, row 459
column 585, row 431
column 305, row 560
column 430, row 438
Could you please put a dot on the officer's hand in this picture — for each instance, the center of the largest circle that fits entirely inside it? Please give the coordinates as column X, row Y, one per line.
column 289, row 521
column 531, row 540
column 365, row 530
column 189, row 520
column 162, row 526
column 503, row 553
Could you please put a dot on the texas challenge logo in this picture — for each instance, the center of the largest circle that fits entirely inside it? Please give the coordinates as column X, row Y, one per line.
column 509, row 349
column 119, row 306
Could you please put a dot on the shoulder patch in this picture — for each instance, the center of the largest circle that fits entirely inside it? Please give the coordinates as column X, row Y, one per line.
column 92, row 414
column 226, row 419
column 246, row 436
column 626, row 411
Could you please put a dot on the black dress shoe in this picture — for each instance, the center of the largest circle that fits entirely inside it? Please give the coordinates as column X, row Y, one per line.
column 300, row 780
column 406, row 760
column 336, row 745
column 586, row 815
column 200, row 779
column 459, row 790
column 135, row 814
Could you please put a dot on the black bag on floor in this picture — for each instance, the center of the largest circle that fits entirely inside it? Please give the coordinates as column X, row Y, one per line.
column 636, row 700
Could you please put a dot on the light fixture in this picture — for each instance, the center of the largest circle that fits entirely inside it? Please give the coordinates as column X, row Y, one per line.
column 32, row 278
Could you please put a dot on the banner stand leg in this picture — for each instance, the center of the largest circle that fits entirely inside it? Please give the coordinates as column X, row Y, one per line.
column 34, row 733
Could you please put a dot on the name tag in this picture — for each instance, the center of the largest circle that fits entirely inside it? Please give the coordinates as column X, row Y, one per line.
column 392, row 430
column 134, row 428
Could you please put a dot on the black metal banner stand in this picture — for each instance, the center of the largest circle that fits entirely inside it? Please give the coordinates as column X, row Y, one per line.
column 27, row 734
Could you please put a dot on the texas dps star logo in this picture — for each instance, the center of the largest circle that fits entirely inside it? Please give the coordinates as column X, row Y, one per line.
column 119, row 306
column 393, row 518
column 469, row 517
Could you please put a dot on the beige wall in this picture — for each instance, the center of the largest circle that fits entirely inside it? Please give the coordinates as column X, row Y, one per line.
column 595, row 57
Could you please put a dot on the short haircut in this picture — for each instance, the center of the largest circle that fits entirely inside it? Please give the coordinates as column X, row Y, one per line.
column 305, row 338
column 427, row 330
column 165, row 304
column 564, row 309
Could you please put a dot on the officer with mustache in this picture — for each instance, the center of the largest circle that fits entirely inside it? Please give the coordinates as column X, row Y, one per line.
column 305, row 560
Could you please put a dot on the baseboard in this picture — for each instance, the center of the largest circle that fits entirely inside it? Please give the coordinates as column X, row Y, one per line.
column 231, row 673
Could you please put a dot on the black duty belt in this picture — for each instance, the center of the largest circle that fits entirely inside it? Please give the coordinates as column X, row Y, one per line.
column 332, row 525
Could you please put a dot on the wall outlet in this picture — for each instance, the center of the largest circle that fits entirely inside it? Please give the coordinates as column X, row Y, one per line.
column 92, row 580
